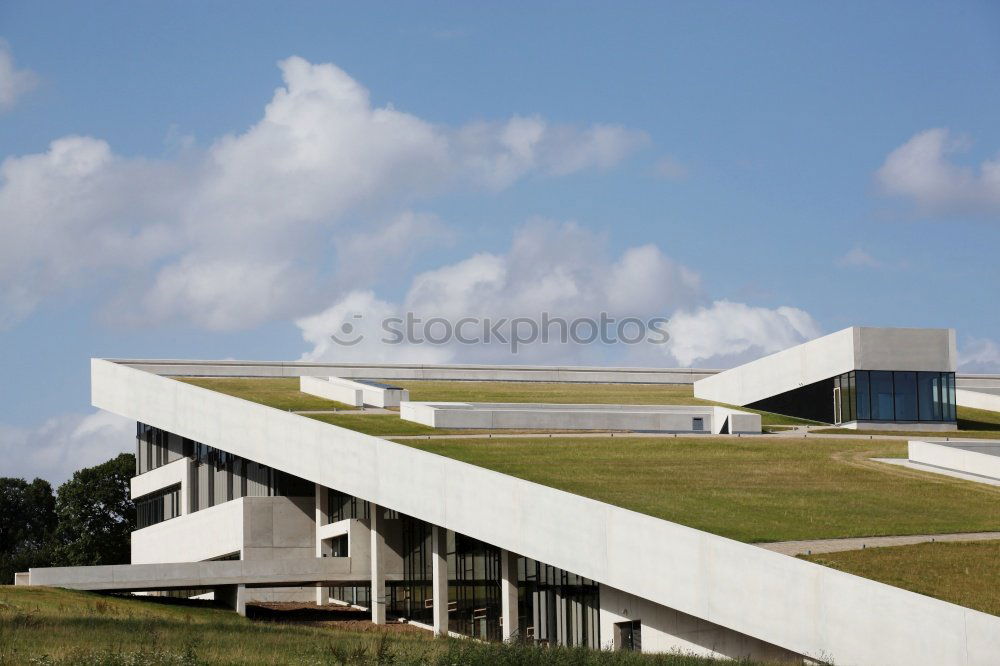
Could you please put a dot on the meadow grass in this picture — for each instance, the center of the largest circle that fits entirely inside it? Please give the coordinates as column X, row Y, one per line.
column 52, row 626
column 754, row 489
column 278, row 392
column 964, row 573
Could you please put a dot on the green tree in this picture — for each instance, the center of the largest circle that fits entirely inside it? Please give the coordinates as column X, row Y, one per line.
column 96, row 515
column 27, row 521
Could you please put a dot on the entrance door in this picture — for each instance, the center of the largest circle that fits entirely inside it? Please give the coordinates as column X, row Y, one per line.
column 837, row 407
column 629, row 635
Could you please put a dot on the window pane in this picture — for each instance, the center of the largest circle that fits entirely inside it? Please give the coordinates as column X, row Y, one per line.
column 849, row 399
column 864, row 404
column 906, row 396
column 950, row 397
column 881, row 390
column 929, row 394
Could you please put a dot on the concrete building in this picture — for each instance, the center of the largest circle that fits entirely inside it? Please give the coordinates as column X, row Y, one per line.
column 254, row 502
column 872, row 378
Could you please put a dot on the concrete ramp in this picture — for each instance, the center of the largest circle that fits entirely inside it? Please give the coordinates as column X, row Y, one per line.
column 188, row 575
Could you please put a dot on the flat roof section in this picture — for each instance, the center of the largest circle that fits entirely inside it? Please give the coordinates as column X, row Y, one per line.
column 547, row 416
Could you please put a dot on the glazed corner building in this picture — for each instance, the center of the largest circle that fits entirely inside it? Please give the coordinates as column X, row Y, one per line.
column 258, row 503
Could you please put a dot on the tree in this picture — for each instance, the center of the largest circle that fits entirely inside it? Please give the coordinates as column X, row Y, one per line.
column 96, row 515
column 27, row 522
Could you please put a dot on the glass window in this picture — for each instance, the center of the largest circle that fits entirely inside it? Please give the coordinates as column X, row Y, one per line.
column 849, row 412
column 929, row 396
column 949, row 398
column 863, row 400
column 905, row 390
column 882, row 396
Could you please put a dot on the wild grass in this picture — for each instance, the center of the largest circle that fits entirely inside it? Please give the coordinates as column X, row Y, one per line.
column 966, row 573
column 752, row 489
column 52, row 626
column 278, row 392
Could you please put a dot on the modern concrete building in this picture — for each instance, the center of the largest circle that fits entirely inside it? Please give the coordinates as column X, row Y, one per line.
column 253, row 502
column 873, row 378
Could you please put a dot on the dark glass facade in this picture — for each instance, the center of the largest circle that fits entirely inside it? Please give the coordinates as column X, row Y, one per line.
column 157, row 507
column 554, row 606
column 217, row 476
column 901, row 395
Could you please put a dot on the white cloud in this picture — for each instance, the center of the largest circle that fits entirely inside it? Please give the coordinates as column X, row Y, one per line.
column 64, row 444
column 669, row 168
column 979, row 355
column 565, row 271
column 14, row 83
column 731, row 333
column 250, row 219
column 921, row 170
column 859, row 258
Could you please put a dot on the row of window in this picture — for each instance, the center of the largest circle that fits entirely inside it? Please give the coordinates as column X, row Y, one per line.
column 157, row 507
column 885, row 395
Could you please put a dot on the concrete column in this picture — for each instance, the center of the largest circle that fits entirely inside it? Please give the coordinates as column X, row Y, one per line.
column 234, row 596
column 508, row 595
column 322, row 518
column 378, row 565
column 439, row 585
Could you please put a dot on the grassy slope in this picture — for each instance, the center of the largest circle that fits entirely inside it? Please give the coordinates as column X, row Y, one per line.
column 51, row 626
column 967, row 574
column 971, row 423
column 278, row 392
column 754, row 490
column 625, row 394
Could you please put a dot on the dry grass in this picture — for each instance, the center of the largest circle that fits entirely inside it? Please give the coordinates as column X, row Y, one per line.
column 52, row 626
column 967, row 574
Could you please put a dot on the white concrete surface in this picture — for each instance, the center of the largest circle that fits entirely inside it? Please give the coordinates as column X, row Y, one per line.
column 357, row 393
column 900, row 426
column 920, row 467
column 668, row 630
column 548, row 416
column 855, row 348
column 324, row 388
column 979, row 457
column 987, row 398
column 403, row 371
column 800, row 606
column 439, row 580
column 255, row 527
column 508, row 595
column 193, row 575
column 377, row 559
column 171, row 474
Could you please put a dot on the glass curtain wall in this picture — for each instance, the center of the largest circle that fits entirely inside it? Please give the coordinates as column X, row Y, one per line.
column 901, row 395
column 157, row 507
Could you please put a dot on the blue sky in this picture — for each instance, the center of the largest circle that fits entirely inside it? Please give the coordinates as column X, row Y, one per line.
column 761, row 172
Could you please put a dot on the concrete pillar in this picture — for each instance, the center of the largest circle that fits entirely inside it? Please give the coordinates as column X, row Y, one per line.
column 508, row 595
column 234, row 596
column 378, row 565
column 322, row 518
column 439, row 584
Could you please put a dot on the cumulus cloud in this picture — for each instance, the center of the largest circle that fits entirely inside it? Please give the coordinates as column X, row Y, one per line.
column 921, row 170
column 979, row 355
column 566, row 272
column 732, row 333
column 228, row 236
column 14, row 83
column 64, row 444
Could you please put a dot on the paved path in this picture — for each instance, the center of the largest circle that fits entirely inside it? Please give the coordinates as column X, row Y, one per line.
column 839, row 545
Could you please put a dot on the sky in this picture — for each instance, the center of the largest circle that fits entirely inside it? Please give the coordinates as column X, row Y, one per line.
column 242, row 180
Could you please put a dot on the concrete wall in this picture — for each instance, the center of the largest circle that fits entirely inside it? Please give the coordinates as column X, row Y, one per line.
column 980, row 457
column 255, row 527
column 546, row 416
column 849, row 349
column 324, row 388
column 982, row 399
column 800, row 606
column 400, row 371
column 668, row 630
column 171, row 474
